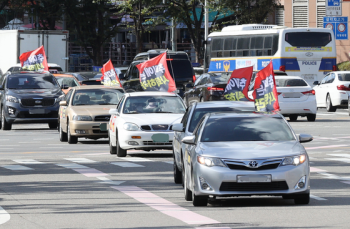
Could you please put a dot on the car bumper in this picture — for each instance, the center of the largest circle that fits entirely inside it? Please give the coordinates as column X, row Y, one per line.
column 16, row 113
column 88, row 129
column 340, row 98
column 223, row 181
column 302, row 108
column 143, row 140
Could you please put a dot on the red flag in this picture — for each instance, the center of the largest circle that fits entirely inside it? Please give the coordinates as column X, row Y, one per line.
column 109, row 76
column 155, row 75
column 34, row 60
column 265, row 92
column 238, row 85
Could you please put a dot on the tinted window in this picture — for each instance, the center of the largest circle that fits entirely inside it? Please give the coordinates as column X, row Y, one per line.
column 291, row 83
column 68, row 81
column 91, row 82
column 31, row 82
column 199, row 113
column 308, row 39
column 243, row 43
column 134, row 72
column 220, row 79
column 216, row 44
column 344, row 77
column 180, row 68
column 97, row 97
column 246, row 129
column 256, row 42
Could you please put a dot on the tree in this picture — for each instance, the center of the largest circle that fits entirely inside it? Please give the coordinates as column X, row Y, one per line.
column 90, row 22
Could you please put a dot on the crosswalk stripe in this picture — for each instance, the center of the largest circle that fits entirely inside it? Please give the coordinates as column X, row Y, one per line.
column 4, row 216
column 80, row 160
column 28, row 161
column 16, row 167
column 347, row 160
column 106, row 180
column 126, row 164
column 169, row 162
column 340, row 155
column 316, row 197
column 136, row 159
column 73, row 166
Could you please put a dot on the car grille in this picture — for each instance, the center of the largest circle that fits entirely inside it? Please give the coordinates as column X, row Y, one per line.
column 25, row 114
column 46, row 102
column 268, row 186
column 151, row 143
column 243, row 167
column 158, row 127
column 146, row 127
column 102, row 118
column 99, row 132
column 262, row 164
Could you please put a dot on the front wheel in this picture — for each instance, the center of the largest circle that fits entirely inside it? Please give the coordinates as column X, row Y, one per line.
column 302, row 199
column 311, row 117
column 112, row 149
column 293, row 117
column 329, row 105
column 4, row 123
column 63, row 135
column 177, row 173
column 71, row 139
column 187, row 192
column 120, row 152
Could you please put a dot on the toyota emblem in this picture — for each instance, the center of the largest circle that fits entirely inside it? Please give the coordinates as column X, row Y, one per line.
column 253, row 164
column 107, row 118
column 309, row 54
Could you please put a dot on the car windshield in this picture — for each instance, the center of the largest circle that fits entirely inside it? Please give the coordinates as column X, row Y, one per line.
column 153, row 104
column 291, row 83
column 199, row 113
column 67, row 81
column 91, row 82
column 220, row 79
column 103, row 96
column 31, row 82
column 344, row 77
column 246, row 129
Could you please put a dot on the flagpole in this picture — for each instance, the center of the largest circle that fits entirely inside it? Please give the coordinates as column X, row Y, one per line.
column 172, row 69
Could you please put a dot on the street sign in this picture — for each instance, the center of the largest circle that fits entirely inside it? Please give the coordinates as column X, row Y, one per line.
column 339, row 25
column 333, row 8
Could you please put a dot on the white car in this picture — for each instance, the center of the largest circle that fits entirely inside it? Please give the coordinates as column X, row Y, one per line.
column 333, row 90
column 143, row 121
column 296, row 98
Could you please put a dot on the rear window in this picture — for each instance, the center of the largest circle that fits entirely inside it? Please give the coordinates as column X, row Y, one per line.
column 308, row 39
column 221, row 79
column 344, row 77
column 91, row 82
column 291, row 83
column 180, row 68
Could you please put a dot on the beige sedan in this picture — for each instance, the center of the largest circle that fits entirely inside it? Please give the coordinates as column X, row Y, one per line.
column 84, row 112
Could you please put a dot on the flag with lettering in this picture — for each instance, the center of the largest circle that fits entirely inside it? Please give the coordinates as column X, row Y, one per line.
column 238, row 85
column 34, row 60
column 265, row 91
column 109, row 76
column 155, row 75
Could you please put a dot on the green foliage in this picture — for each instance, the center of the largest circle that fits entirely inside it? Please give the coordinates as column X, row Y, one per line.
column 344, row 66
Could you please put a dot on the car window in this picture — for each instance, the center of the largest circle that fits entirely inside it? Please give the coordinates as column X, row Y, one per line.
column 134, row 73
column 198, row 80
column 31, row 82
column 344, row 77
column 220, row 79
column 185, row 117
column 291, row 83
column 325, row 79
column 331, row 78
column 198, row 128
column 67, row 81
column 120, row 105
column 203, row 80
column 246, row 129
column 69, row 95
column 103, row 96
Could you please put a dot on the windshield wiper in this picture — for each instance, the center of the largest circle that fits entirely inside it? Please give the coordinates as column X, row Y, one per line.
column 107, row 104
column 163, row 112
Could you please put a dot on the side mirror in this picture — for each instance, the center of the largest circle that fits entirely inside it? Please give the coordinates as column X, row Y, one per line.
column 63, row 103
column 316, row 83
column 189, row 85
column 305, row 138
column 189, row 140
column 178, row 127
column 113, row 111
column 64, row 86
column 121, row 76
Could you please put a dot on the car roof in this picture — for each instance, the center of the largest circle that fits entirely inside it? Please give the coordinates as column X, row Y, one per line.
column 21, row 73
column 211, row 104
column 247, row 115
column 84, row 87
column 288, row 77
column 151, row 93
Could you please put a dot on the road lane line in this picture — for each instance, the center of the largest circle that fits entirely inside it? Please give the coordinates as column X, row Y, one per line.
column 169, row 162
column 346, row 182
column 90, row 172
column 136, row 159
column 28, row 161
column 4, row 216
column 73, row 166
column 325, row 147
column 340, row 154
column 313, row 169
column 28, row 142
column 108, row 181
column 164, row 206
column 346, row 160
column 50, row 147
column 126, row 164
column 80, row 160
column 16, row 167
column 93, row 154
column 316, row 197
column 6, row 148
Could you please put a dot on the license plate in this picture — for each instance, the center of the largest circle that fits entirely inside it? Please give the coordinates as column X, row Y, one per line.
column 253, row 178
column 291, row 95
column 37, row 111
column 161, row 138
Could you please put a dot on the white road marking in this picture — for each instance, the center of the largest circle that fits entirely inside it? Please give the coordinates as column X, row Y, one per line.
column 51, row 147
column 28, row 161
column 80, row 160
column 28, row 142
column 109, row 181
column 4, row 216
column 16, row 167
column 169, row 162
column 347, row 160
column 316, row 197
column 73, row 166
column 126, row 164
column 95, row 154
column 346, row 182
column 6, row 148
column 4, row 139
column 340, row 155
column 42, row 139
column 136, row 159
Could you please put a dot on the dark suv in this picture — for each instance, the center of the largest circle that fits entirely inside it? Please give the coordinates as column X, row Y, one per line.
column 179, row 66
column 29, row 97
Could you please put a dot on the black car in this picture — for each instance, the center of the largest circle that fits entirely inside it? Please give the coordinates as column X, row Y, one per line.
column 179, row 66
column 208, row 87
column 29, row 97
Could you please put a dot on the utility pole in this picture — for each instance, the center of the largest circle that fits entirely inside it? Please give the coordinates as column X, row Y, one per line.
column 206, row 24
column 173, row 35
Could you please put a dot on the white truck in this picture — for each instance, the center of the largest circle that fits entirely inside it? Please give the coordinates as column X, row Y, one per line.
column 15, row 42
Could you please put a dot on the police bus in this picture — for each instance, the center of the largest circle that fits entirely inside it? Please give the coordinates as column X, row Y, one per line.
column 306, row 52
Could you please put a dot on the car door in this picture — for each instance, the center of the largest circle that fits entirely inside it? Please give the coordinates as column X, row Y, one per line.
column 63, row 111
column 320, row 92
column 200, row 89
column 2, row 91
column 189, row 94
column 178, row 136
column 329, row 86
column 114, row 119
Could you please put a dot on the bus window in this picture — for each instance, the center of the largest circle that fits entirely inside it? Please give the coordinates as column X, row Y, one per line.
column 309, row 39
column 216, row 45
column 274, row 44
column 243, row 43
column 256, row 42
column 268, row 42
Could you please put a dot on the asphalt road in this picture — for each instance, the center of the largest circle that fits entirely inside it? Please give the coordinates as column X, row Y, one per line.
column 48, row 184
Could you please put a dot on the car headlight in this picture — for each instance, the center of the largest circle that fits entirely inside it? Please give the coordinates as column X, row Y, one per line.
column 11, row 99
column 295, row 160
column 82, row 118
column 130, row 126
column 210, row 161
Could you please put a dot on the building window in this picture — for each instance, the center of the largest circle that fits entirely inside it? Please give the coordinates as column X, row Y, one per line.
column 279, row 16
column 321, row 12
column 300, row 13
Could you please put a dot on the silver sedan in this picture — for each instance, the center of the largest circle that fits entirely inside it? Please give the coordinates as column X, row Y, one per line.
column 243, row 155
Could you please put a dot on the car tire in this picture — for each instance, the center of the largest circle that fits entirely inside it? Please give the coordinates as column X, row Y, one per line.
column 187, row 192
column 63, row 135
column 112, row 149
column 71, row 139
column 177, row 173
column 120, row 152
column 329, row 105
column 311, row 117
column 53, row 125
column 293, row 117
column 302, row 199
column 4, row 124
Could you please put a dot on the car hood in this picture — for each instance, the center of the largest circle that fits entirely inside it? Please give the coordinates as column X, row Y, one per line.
column 251, row 150
column 92, row 110
column 39, row 93
column 149, row 119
